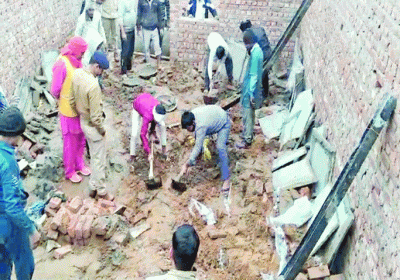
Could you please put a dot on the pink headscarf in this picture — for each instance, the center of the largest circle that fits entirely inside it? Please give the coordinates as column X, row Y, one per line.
column 75, row 47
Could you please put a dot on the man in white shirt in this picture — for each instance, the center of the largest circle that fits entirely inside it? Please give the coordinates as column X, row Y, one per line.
column 217, row 51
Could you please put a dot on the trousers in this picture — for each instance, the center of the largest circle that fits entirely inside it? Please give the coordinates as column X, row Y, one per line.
column 17, row 250
column 73, row 145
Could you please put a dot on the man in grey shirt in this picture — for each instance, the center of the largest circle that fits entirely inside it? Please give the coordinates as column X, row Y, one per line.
column 209, row 120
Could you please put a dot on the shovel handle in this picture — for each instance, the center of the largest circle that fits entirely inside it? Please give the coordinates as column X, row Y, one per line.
column 151, row 174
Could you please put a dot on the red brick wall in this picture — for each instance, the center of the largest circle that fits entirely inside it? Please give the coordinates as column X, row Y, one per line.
column 189, row 36
column 351, row 56
column 28, row 28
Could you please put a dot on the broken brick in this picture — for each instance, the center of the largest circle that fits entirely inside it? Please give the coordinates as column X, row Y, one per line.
column 215, row 234
column 106, row 203
column 87, row 226
column 52, row 234
column 55, row 203
column 121, row 238
column 101, row 226
column 61, row 252
column 318, row 272
column 50, row 212
column 301, row 276
column 120, row 210
column 259, row 187
column 58, row 218
column 79, row 227
column 75, row 204
column 71, row 227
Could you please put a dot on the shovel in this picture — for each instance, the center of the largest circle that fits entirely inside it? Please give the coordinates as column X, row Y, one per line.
column 177, row 185
column 152, row 183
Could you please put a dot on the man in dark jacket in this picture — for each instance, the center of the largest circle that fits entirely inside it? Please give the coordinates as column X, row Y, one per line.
column 151, row 18
column 16, row 229
column 263, row 42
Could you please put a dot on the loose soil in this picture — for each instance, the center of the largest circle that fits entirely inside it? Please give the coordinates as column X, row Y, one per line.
column 248, row 246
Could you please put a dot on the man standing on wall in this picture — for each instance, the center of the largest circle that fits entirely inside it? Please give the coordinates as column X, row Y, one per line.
column 88, row 103
column 199, row 9
column 263, row 42
column 109, row 17
column 217, row 50
column 16, row 229
column 150, row 19
column 127, row 11
column 251, row 96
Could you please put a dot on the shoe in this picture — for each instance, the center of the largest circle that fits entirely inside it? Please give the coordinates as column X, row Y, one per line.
column 85, row 171
column 242, row 145
column 75, row 178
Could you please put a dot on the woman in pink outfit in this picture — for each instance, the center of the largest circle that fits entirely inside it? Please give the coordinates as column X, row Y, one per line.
column 73, row 137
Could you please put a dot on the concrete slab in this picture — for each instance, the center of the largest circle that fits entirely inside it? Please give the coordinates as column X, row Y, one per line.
column 295, row 175
column 132, row 81
column 287, row 157
column 147, row 71
column 322, row 159
column 296, row 124
column 271, row 125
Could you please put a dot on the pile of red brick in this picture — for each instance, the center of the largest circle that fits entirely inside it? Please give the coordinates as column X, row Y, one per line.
column 76, row 220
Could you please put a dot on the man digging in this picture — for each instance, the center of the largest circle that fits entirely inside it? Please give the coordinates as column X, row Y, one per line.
column 209, row 120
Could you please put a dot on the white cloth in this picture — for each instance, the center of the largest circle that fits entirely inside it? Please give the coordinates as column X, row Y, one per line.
column 127, row 14
column 215, row 40
column 200, row 11
column 148, row 36
column 86, row 27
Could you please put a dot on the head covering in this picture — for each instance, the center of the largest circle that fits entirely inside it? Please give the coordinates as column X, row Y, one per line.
column 249, row 37
column 74, row 48
column 12, row 122
column 101, row 59
column 159, row 113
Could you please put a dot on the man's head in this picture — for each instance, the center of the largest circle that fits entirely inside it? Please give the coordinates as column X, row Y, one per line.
column 90, row 12
column 244, row 25
column 98, row 63
column 220, row 52
column 12, row 125
column 76, row 46
column 159, row 113
column 185, row 244
column 187, row 121
column 249, row 39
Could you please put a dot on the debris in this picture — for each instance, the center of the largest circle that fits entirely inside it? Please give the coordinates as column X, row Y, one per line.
column 55, row 202
column 117, row 257
column 135, row 232
column 147, row 72
column 75, row 204
column 301, row 174
column 169, row 102
column 271, row 125
column 121, row 237
column 297, row 215
column 281, row 247
column 61, row 252
column 131, row 81
column 296, row 123
column 223, row 258
column 318, row 272
column 215, row 234
column 51, row 245
column 206, row 213
column 22, row 164
column 120, row 209
column 287, row 157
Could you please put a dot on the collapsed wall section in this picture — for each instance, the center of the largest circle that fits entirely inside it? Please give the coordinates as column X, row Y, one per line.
column 189, row 36
column 351, row 59
column 29, row 28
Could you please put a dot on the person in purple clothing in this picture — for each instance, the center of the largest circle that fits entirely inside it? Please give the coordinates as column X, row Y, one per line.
column 149, row 109
column 17, row 231
column 209, row 120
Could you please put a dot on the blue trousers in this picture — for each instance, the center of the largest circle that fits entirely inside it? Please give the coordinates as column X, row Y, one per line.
column 17, row 251
column 222, row 139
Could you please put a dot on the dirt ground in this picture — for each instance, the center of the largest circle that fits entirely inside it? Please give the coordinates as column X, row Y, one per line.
column 248, row 247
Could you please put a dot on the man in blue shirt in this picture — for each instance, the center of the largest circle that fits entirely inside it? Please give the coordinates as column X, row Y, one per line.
column 251, row 96
column 209, row 120
column 15, row 226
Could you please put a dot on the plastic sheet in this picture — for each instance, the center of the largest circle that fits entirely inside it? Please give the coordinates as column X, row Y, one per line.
column 205, row 212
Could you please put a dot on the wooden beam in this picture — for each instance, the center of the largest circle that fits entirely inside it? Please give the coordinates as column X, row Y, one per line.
column 342, row 184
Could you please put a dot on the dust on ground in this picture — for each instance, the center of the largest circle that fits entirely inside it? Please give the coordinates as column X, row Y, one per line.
column 248, row 246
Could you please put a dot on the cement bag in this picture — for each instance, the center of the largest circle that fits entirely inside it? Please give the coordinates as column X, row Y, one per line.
column 297, row 215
